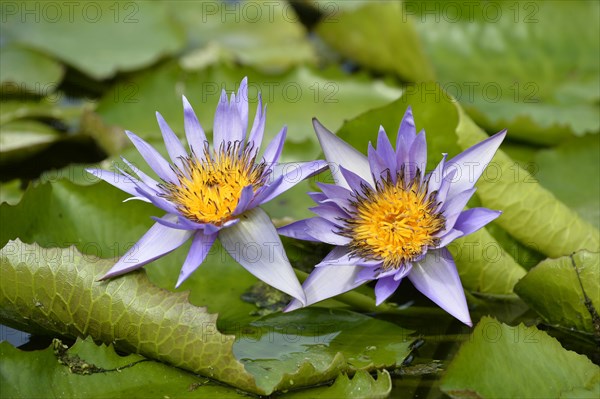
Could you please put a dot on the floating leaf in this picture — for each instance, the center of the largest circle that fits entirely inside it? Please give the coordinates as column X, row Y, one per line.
column 360, row 386
column 68, row 31
column 21, row 139
column 571, row 172
column 379, row 35
column 242, row 32
column 90, row 371
column 25, row 70
column 565, row 291
column 532, row 66
column 531, row 214
column 11, row 192
column 485, row 366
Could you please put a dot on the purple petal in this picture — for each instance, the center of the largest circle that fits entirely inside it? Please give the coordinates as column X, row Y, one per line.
column 339, row 153
column 193, row 130
column 471, row 163
column 384, row 288
column 172, row 225
column 330, row 212
column 242, row 105
column 292, row 174
column 326, row 282
column 118, row 180
column 172, row 142
column 245, row 197
column 378, row 167
column 374, row 271
column 323, row 230
column 418, row 155
column 156, row 161
column 452, row 207
column 226, row 121
column 436, row 176
column 386, row 152
column 273, row 150
column 201, row 244
column 157, row 241
column 449, row 236
column 406, row 136
column 338, row 194
column 264, row 193
column 436, row 277
column 255, row 244
column 473, row 219
column 444, row 188
column 298, row 230
column 258, row 127
column 147, row 180
column 354, row 180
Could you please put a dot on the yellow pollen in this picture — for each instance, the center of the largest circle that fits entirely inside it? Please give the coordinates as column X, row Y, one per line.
column 394, row 223
column 209, row 189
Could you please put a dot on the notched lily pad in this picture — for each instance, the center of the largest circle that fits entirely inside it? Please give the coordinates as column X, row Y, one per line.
column 566, row 291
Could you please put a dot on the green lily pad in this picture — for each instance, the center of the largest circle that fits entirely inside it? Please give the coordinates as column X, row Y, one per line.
column 92, row 371
column 571, row 172
column 87, row 370
column 11, row 192
column 25, row 70
column 532, row 66
column 379, row 35
column 57, row 290
column 565, row 291
column 21, row 139
column 531, row 214
column 242, row 32
column 293, row 99
column 485, row 365
column 68, row 31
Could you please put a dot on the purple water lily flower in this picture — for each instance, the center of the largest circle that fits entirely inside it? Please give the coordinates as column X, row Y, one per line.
column 390, row 220
column 209, row 193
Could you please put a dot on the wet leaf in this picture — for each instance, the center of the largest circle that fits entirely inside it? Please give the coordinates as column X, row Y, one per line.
column 485, row 365
column 571, row 172
column 565, row 291
column 242, row 32
column 11, row 192
column 68, row 31
column 360, row 386
column 56, row 290
column 532, row 66
column 25, row 70
column 379, row 35
column 21, row 139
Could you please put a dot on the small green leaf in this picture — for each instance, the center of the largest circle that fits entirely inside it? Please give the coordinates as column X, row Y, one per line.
column 90, row 371
column 360, row 386
column 11, row 192
column 379, row 35
column 68, row 31
column 531, row 214
column 21, row 139
column 242, row 32
column 571, row 172
column 25, row 70
column 517, row 362
column 565, row 291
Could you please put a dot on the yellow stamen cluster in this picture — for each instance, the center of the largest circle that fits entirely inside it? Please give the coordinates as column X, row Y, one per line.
column 394, row 222
column 209, row 189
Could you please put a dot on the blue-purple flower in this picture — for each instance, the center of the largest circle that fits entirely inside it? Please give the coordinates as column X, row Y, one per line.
column 214, row 192
column 389, row 220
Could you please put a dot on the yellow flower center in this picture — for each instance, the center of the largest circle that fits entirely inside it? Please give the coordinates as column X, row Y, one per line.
column 393, row 223
column 209, row 189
